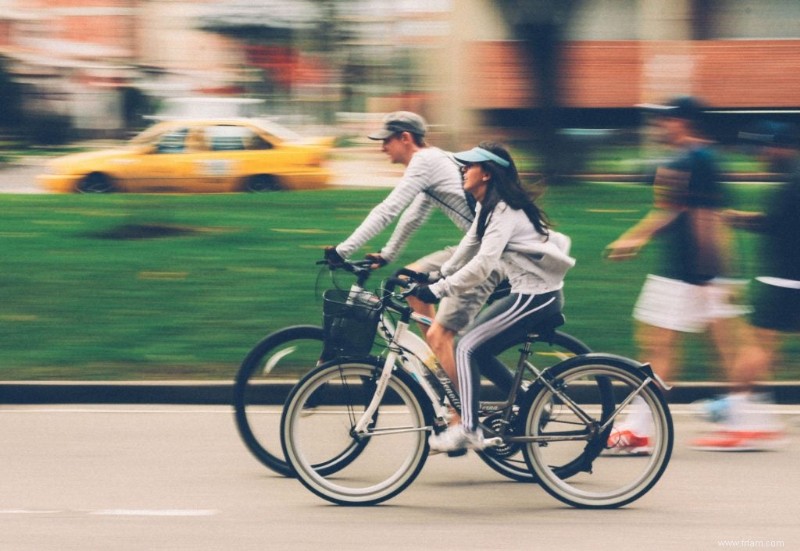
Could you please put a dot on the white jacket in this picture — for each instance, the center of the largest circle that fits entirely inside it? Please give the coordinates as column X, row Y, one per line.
column 532, row 262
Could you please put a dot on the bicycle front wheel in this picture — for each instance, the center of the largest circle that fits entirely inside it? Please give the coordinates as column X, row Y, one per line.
column 281, row 357
column 570, row 418
column 318, row 430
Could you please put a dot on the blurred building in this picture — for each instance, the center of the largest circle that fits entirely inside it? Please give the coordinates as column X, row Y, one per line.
column 456, row 61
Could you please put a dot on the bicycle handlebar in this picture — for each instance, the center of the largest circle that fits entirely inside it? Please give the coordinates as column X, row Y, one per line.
column 360, row 268
column 352, row 266
column 404, row 278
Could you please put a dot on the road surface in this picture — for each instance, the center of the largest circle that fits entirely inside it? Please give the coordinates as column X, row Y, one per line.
column 177, row 477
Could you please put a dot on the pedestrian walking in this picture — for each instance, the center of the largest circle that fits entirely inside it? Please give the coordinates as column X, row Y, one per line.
column 747, row 417
column 683, row 295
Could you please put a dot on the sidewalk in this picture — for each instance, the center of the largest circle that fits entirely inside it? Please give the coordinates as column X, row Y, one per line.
column 221, row 392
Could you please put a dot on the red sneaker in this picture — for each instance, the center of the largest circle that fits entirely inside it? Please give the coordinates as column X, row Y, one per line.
column 740, row 441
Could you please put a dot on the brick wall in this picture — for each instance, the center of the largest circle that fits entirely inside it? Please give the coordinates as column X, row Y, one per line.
column 618, row 74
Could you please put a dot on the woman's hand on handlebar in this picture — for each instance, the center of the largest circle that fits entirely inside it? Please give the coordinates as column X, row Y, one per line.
column 412, row 289
column 423, row 293
column 418, row 277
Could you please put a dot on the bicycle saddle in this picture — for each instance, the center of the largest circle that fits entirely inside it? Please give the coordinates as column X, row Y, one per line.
column 544, row 329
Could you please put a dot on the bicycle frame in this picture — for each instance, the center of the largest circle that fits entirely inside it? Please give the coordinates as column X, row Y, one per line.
column 409, row 348
column 417, row 358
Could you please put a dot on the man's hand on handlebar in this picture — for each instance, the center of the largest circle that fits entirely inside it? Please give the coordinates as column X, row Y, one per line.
column 332, row 257
column 377, row 260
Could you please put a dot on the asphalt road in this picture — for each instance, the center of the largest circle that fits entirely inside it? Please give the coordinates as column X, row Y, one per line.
column 177, row 477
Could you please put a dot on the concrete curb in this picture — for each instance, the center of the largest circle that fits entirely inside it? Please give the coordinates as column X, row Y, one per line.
column 221, row 392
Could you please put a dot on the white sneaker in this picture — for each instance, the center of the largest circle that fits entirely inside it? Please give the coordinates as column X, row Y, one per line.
column 456, row 438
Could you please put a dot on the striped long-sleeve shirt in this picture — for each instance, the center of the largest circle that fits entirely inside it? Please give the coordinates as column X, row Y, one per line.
column 431, row 180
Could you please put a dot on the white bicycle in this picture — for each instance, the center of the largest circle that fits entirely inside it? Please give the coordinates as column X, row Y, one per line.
column 355, row 429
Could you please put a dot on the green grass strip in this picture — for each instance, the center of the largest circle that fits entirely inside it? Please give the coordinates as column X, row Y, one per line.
column 181, row 286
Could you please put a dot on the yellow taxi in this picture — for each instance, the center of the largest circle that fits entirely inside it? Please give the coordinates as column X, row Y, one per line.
column 197, row 156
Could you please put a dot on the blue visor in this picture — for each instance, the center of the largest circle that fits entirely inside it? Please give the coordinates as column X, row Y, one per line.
column 480, row 155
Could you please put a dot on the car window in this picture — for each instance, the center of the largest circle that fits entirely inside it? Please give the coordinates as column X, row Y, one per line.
column 173, row 141
column 234, row 138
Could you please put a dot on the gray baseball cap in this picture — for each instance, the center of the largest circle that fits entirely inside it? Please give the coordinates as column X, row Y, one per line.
column 400, row 121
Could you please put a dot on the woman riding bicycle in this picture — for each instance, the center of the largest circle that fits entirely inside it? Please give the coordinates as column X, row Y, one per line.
column 512, row 234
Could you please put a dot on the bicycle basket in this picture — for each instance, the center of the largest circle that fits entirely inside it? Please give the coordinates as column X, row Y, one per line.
column 350, row 321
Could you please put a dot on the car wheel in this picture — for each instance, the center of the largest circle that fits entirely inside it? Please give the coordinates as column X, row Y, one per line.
column 261, row 183
column 95, row 183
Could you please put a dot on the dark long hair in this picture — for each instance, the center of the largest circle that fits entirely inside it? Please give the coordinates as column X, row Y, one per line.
column 505, row 185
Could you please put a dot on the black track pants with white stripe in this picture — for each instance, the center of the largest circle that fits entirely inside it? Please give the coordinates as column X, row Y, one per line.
column 501, row 325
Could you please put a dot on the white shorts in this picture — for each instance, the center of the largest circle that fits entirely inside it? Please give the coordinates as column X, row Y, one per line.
column 680, row 306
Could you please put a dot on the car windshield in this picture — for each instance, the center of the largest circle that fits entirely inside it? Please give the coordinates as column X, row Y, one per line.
column 151, row 134
column 277, row 130
column 147, row 136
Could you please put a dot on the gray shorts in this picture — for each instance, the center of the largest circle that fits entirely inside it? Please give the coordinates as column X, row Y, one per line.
column 455, row 313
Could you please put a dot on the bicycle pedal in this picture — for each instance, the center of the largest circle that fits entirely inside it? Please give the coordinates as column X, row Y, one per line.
column 457, row 453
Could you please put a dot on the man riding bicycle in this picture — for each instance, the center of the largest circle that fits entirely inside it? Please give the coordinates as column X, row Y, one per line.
column 431, row 180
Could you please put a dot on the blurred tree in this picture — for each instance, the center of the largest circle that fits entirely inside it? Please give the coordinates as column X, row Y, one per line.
column 275, row 32
column 10, row 99
column 540, row 26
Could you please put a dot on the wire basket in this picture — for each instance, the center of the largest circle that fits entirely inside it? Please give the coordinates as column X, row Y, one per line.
column 350, row 322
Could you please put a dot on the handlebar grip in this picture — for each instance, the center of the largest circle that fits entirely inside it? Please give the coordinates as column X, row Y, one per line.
column 414, row 277
column 393, row 282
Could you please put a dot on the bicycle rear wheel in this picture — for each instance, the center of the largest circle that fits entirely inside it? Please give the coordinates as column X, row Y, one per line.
column 281, row 357
column 572, row 421
column 318, row 429
column 508, row 459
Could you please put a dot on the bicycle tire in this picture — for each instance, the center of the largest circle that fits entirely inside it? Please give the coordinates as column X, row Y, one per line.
column 508, row 459
column 605, row 480
column 278, row 356
column 389, row 458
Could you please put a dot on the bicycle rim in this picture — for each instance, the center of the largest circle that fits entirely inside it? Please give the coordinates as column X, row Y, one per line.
column 281, row 357
column 318, row 434
column 605, row 479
